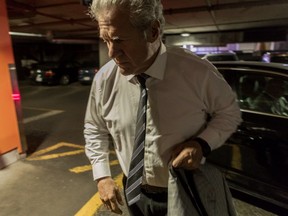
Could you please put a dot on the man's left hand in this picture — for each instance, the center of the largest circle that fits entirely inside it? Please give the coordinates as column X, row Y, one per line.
column 187, row 155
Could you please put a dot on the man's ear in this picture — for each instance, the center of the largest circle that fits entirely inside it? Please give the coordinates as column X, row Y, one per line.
column 153, row 31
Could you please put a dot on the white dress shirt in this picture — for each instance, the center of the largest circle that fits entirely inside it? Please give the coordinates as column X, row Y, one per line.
column 182, row 90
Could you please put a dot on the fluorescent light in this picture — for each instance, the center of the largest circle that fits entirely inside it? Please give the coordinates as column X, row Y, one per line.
column 185, row 34
column 26, row 34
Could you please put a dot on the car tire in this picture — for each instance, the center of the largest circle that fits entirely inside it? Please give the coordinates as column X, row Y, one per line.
column 64, row 80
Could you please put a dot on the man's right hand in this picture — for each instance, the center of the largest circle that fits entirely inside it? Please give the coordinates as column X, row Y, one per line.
column 110, row 194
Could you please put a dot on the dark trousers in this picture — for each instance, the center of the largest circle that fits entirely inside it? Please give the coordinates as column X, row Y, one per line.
column 150, row 204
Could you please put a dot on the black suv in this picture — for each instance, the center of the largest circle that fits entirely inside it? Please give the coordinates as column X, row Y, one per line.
column 255, row 158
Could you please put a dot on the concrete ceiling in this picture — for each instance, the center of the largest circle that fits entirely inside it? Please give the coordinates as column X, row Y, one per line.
column 68, row 19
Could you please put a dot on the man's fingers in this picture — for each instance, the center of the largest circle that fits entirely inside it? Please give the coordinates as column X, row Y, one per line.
column 114, row 207
column 110, row 194
column 112, row 202
column 176, row 156
column 187, row 155
column 185, row 160
column 105, row 204
column 119, row 197
column 178, row 161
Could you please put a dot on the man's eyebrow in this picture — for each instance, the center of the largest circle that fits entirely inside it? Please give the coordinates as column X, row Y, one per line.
column 106, row 36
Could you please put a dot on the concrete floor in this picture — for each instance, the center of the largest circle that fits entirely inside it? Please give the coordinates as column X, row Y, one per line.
column 242, row 208
column 33, row 188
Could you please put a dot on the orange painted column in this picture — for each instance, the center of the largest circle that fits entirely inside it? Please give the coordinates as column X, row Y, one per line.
column 9, row 131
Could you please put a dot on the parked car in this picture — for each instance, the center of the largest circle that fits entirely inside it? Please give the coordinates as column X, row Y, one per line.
column 255, row 158
column 222, row 56
column 87, row 72
column 279, row 57
column 61, row 73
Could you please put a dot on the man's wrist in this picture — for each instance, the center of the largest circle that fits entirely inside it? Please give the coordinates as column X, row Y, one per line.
column 102, row 178
column 206, row 149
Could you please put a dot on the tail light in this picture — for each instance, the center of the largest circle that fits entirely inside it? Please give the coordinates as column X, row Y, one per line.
column 49, row 73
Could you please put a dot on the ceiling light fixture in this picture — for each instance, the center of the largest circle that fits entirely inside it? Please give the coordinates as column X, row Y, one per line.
column 26, row 34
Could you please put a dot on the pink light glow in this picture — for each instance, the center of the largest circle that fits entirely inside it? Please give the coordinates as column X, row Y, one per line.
column 16, row 97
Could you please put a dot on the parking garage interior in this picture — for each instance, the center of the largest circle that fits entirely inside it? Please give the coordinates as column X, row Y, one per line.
column 34, row 32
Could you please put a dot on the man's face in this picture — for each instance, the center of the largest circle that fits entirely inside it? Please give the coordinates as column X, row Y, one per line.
column 127, row 46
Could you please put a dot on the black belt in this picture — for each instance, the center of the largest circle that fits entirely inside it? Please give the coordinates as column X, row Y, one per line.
column 153, row 189
column 149, row 189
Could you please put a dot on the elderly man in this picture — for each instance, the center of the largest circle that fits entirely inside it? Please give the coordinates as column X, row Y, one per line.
column 188, row 108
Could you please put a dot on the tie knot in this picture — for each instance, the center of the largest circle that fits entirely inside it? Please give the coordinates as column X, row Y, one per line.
column 142, row 79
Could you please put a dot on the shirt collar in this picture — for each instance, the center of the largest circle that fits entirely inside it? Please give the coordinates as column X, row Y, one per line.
column 157, row 69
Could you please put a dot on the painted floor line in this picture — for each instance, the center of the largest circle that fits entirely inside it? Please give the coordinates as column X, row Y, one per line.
column 92, row 206
column 37, row 108
column 81, row 169
column 56, row 146
column 114, row 162
column 41, row 116
column 85, row 168
column 42, row 154
column 57, row 155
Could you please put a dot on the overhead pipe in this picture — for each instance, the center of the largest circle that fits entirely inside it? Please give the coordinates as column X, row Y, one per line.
column 223, row 6
column 73, row 41
column 50, row 23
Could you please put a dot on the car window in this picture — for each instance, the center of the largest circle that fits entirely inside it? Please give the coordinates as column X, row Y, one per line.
column 273, row 98
column 249, row 86
column 261, row 92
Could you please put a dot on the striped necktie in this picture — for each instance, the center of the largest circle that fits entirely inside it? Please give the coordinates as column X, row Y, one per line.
column 134, row 180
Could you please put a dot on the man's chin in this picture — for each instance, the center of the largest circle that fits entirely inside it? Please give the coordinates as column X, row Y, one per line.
column 125, row 71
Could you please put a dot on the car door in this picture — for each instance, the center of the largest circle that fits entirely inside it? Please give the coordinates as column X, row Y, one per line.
column 255, row 158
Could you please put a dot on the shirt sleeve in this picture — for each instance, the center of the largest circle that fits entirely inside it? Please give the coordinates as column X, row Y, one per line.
column 97, row 136
column 222, row 107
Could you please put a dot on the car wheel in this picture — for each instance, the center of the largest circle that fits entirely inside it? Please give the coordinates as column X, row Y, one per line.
column 64, row 80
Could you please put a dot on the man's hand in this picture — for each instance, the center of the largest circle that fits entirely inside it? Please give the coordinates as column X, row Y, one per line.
column 187, row 155
column 110, row 194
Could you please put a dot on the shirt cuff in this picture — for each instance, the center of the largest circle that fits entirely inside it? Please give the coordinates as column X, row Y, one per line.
column 206, row 149
column 101, row 170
